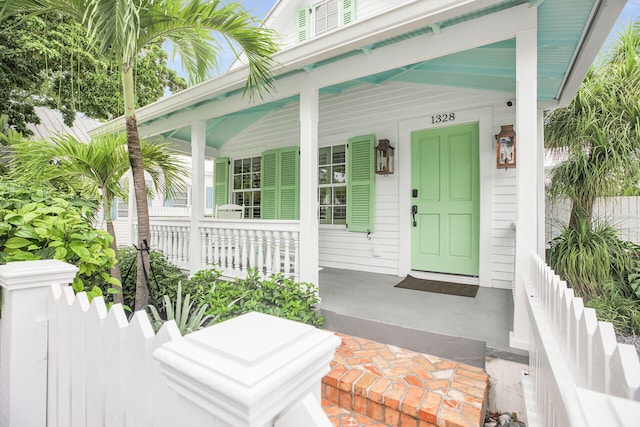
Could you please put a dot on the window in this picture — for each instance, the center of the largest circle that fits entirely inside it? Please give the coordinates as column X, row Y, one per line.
column 179, row 200
column 123, row 209
column 325, row 16
column 332, row 185
column 246, row 185
column 209, row 198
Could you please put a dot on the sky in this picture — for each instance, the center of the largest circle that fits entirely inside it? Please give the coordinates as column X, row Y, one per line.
column 260, row 8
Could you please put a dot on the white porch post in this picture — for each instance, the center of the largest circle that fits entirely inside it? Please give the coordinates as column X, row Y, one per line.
column 309, row 100
column 198, row 142
column 527, row 171
column 541, row 190
column 23, row 338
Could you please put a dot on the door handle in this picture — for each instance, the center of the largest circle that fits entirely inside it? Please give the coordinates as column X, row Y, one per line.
column 414, row 211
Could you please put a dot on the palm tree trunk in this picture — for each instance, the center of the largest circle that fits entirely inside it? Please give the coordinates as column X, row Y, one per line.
column 140, row 188
column 115, row 270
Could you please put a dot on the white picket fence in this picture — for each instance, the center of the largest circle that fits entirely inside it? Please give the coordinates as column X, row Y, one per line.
column 67, row 362
column 578, row 374
column 622, row 213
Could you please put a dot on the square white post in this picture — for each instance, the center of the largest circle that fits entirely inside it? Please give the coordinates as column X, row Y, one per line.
column 198, row 142
column 309, row 106
column 252, row 370
column 526, row 173
column 23, row 339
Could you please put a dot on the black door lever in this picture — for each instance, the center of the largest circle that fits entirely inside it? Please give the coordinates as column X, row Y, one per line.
column 414, row 211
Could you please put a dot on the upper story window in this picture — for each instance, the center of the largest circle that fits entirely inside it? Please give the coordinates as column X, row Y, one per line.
column 325, row 16
column 321, row 17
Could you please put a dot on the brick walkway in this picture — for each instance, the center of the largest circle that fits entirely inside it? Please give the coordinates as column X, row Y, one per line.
column 399, row 387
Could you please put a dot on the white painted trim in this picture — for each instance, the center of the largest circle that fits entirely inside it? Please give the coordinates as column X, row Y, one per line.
column 484, row 118
column 198, row 142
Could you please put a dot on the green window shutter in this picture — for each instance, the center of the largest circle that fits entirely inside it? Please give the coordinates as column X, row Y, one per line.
column 361, row 182
column 348, row 12
column 304, row 26
column 289, row 179
column 221, row 181
column 268, row 186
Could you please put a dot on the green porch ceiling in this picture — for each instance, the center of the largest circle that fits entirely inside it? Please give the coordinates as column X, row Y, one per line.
column 561, row 24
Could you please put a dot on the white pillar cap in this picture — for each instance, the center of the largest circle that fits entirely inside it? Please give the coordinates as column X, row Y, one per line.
column 36, row 274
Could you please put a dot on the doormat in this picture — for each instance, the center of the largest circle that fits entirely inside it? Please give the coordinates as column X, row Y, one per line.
column 448, row 288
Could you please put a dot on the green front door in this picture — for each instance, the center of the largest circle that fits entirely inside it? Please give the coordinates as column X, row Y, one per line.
column 446, row 195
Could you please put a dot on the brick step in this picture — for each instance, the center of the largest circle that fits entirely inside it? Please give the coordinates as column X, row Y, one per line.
column 400, row 387
column 341, row 417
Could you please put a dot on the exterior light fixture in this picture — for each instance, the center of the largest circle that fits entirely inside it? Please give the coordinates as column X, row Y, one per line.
column 384, row 157
column 506, row 147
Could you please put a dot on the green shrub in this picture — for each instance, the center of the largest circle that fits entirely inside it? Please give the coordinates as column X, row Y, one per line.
column 40, row 222
column 188, row 317
column 623, row 312
column 277, row 295
column 164, row 277
column 589, row 259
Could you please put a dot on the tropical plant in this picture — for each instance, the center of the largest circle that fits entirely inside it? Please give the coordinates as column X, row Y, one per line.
column 188, row 317
column 591, row 258
column 599, row 131
column 163, row 276
column 125, row 27
column 40, row 222
column 97, row 168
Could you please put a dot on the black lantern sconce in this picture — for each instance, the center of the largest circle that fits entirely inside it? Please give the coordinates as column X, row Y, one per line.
column 384, row 157
column 506, row 147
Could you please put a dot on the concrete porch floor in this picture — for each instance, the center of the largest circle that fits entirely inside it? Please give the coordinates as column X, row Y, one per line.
column 459, row 328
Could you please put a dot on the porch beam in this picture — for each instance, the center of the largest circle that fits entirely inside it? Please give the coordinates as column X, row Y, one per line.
column 198, row 142
column 526, row 174
column 309, row 236
column 488, row 29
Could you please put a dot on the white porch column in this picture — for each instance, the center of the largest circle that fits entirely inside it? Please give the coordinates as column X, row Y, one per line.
column 198, row 143
column 309, row 100
column 541, row 190
column 526, row 174
column 23, row 338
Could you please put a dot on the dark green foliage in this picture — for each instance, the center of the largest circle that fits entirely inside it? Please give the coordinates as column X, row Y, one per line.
column 47, row 60
column 277, row 295
column 588, row 258
column 164, row 276
column 39, row 222
column 623, row 312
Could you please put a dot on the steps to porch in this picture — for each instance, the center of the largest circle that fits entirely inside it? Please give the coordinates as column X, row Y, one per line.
column 375, row 384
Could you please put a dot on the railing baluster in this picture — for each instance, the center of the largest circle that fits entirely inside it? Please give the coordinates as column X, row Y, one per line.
column 269, row 260
column 229, row 263
column 252, row 249
column 216, row 247
column 277, row 266
column 244, row 262
column 261, row 253
column 286, row 261
column 296, row 256
column 236, row 250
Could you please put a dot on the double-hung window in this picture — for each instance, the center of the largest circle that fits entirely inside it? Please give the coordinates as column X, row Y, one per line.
column 332, row 184
column 325, row 16
column 246, row 185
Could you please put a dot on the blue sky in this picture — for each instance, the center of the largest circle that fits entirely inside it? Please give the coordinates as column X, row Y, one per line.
column 260, row 8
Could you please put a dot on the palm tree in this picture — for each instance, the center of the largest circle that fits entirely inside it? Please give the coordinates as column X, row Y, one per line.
column 97, row 169
column 127, row 26
column 599, row 131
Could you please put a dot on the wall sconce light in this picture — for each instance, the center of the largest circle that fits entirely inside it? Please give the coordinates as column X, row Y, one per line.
column 384, row 157
column 506, row 147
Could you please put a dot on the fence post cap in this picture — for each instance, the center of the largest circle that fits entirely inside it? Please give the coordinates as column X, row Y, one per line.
column 248, row 369
column 35, row 274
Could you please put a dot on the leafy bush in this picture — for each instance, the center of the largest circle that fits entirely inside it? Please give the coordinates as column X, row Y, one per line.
column 39, row 222
column 623, row 312
column 277, row 295
column 589, row 259
column 164, row 277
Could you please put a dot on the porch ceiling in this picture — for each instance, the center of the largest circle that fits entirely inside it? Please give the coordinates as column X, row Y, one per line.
column 561, row 24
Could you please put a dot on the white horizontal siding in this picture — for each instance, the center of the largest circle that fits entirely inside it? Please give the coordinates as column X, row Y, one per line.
column 378, row 109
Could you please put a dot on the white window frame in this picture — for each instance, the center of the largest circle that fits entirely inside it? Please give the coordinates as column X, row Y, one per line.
column 314, row 7
column 332, row 186
column 249, row 209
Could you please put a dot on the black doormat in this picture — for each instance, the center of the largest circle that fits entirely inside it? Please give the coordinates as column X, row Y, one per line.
column 411, row 282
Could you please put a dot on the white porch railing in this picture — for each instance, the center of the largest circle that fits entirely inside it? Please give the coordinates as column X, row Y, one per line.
column 68, row 362
column 578, row 374
column 234, row 246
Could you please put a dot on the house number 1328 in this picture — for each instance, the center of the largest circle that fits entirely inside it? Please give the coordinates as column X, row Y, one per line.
column 443, row 118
